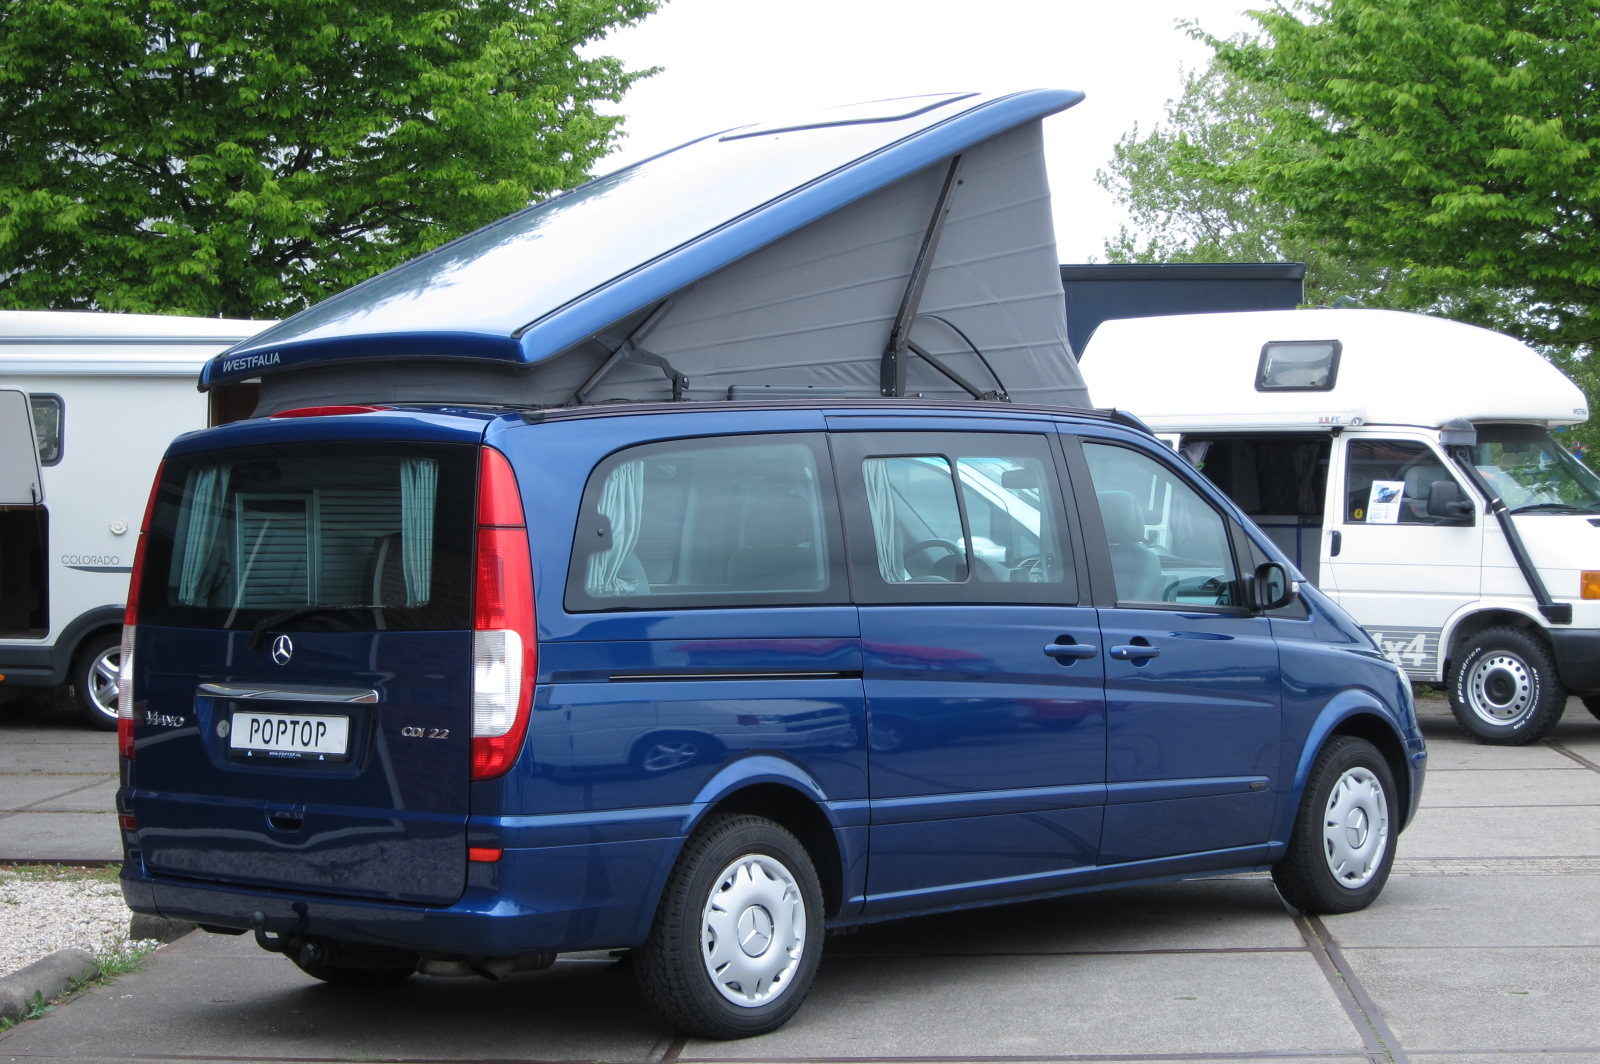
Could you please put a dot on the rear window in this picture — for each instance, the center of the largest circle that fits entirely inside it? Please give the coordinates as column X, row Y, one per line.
column 313, row 536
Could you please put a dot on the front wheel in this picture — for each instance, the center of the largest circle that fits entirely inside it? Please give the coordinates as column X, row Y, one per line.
column 1592, row 704
column 1504, row 688
column 738, row 934
column 94, row 680
column 1342, row 845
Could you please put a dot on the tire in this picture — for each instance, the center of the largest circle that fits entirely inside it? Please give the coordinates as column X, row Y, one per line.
column 1592, row 704
column 1342, row 845
column 738, row 875
column 94, row 679
column 1504, row 689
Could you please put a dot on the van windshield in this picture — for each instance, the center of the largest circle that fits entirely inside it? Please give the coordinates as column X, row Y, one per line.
column 312, row 536
column 1532, row 473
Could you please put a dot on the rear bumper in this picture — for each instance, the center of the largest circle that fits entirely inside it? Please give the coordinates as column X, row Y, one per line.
column 554, row 899
column 1577, row 654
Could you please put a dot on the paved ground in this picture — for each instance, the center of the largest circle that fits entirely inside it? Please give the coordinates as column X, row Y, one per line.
column 1485, row 949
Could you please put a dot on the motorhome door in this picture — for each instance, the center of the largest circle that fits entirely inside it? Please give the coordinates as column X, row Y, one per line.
column 19, row 454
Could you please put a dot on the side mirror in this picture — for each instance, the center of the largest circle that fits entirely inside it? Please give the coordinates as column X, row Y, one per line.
column 1270, row 587
column 1446, row 499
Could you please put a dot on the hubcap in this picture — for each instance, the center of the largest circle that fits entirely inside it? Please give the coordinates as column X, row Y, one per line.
column 1501, row 689
column 753, row 930
column 103, row 680
column 1355, row 829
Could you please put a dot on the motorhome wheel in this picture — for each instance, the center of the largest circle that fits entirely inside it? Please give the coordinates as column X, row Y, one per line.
column 94, row 679
column 1504, row 688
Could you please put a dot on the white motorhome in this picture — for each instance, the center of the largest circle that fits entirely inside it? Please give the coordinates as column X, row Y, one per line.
column 1406, row 464
column 88, row 403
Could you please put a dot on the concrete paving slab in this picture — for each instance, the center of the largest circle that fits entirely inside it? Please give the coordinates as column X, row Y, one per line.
column 1220, row 914
column 1475, row 912
column 1464, row 1001
column 54, row 792
column 1574, row 785
column 60, row 837
column 99, row 796
column 211, row 998
column 1488, row 833
column 1058, row 1006
column 1454, row 751
column 97, row 758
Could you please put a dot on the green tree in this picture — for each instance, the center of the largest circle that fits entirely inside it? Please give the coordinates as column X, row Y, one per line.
column 1455, row 140
column 1178, row 183
column 249, row 157
column 1441, row 152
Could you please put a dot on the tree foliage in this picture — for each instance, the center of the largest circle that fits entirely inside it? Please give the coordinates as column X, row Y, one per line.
column 248, row 157
column 1453, row 139
column 1433, row 155
column 1186, row 205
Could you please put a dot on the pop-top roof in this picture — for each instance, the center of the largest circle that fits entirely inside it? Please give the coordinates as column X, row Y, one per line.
column 615, row 263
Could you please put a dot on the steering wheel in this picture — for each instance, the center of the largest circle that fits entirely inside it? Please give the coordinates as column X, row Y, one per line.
column 932, row 570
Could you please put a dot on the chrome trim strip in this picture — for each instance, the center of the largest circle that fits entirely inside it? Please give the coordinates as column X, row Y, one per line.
column 289, row 693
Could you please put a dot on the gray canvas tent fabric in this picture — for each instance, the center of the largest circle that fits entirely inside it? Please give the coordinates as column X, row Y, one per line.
column 814, row 309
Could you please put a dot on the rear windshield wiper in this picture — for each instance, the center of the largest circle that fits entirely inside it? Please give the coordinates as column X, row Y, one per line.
column 258, row 634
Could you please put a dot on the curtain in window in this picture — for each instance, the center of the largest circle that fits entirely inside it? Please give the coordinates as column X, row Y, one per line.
column 880, row 504
column 419, row 480
column 207, row 490
column 621, row 500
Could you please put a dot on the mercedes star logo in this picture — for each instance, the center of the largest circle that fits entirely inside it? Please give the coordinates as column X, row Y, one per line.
column 282, row 649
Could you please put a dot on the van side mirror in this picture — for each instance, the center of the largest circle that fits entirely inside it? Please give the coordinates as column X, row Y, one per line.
column 1446, row 499
column 1270, row 587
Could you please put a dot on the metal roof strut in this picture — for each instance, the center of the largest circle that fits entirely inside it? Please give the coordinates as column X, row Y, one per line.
column 892, row 371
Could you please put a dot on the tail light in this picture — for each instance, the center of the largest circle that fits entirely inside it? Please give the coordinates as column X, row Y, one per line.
column 504, row 653
column 130, row 621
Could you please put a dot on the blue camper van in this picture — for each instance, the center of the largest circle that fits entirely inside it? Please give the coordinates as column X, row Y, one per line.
column 716, row 555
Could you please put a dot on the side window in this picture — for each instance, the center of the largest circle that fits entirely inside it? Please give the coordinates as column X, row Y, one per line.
column 46, row 411
column 1167, row 543
column 956, row 517
column 1387, row 482
column 709, row 522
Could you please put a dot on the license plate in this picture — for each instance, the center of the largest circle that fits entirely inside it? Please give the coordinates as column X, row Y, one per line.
column 294, row 735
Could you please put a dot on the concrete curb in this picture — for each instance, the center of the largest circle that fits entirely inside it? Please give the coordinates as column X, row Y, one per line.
column 44, row 980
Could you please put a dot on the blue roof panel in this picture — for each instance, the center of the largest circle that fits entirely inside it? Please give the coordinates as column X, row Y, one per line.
column 529, row 286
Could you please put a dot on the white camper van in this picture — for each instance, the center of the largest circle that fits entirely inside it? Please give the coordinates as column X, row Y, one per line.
column 88, row 403
column 1406, row 464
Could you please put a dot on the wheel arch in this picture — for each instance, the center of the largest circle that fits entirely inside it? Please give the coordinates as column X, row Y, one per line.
column 1357, row 714
column 783, row 792
column 1461, row 630
column 69, row 643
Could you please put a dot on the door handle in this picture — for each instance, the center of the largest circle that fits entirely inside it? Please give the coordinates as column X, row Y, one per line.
column 1135, row 652
column 1065, row 652
column 1335, row 541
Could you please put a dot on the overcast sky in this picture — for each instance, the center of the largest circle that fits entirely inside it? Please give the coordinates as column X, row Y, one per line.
column 728, row 62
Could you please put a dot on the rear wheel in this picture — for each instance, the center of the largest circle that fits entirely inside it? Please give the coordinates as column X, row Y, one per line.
column 1504, row 688
column 738, row 934
column 1342, row 845
column 1592, row 704
column 94, row 679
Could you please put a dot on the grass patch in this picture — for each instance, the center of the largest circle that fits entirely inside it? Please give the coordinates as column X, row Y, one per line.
column 59, row 873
